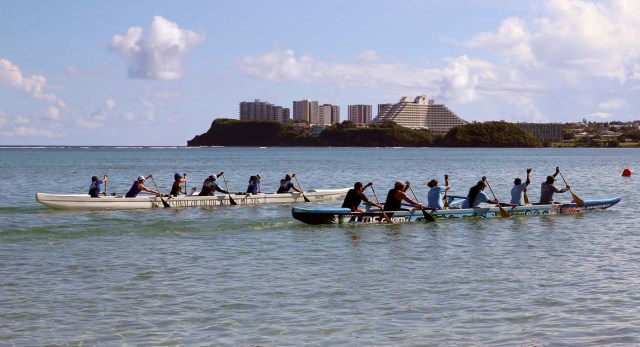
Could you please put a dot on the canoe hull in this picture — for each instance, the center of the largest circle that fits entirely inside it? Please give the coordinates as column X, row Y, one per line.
column 85, row 202
column 311, row 215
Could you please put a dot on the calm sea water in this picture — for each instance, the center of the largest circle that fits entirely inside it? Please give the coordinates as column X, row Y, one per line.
column 254, row 276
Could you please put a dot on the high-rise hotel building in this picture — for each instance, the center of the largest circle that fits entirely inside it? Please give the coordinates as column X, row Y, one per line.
column 328, row 114
column 262, row 110
column 305, row 111
column 360, row 115
column 421, row 113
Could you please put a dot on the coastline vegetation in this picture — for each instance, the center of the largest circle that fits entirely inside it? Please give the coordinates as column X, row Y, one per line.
column 232, row 132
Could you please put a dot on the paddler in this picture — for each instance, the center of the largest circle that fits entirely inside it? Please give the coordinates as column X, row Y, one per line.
column 397, row 195
column 356, row 195
column 547, row 189
column 517, row 192
column 210, row 186
column 434, row 197
column 178, row 180
column 138, row 186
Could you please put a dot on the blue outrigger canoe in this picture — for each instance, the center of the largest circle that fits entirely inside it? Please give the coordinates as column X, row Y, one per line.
column 330, row 215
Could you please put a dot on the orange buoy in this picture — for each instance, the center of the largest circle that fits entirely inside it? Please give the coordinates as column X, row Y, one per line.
column 626, row 172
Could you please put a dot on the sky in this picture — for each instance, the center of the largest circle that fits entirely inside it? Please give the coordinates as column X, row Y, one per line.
column 158, row 72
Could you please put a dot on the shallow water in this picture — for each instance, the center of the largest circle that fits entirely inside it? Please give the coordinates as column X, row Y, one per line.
column 254, row 276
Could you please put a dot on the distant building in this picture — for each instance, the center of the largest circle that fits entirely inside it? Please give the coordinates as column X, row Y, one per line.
column 360, row 114
column 544, row 131
column 305, row 111
column 328, row 114
column 421, row 113
column 262, row 110
column 316, row 130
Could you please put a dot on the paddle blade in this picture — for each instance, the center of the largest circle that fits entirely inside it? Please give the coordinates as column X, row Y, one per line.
column 526, row 198
column 305, row 198
column 387, row 219
column 504, row 213
column 231, row 201
column 577, row 200
column 164, row 203
column 427, row 216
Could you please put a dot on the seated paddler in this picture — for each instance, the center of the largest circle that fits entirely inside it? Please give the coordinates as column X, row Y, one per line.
column 355, row 196
column 397, row 195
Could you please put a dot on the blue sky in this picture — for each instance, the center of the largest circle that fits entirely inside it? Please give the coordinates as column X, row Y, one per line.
column 153, row 72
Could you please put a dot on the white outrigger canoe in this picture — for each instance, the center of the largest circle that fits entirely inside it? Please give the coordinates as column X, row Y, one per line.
column 328, row 215
column 109, row 202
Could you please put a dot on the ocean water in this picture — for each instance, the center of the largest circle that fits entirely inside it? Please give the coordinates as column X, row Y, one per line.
column 253, row 276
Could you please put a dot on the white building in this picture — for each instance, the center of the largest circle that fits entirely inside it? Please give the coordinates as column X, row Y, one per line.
column 421, row 113
column 262, row 110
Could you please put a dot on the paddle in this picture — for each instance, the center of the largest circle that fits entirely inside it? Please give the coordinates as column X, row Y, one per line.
column 503, row 212
column 231, row 201
column 524, row 192
column 305, row 198
column 185, row 184
column 575, row 197
column 446, row 199
column 386, row 218
column 105, row 184
column 164, row 203
column 427, row 217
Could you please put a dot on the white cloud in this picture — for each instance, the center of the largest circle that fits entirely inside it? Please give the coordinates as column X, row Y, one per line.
column 3, row 119
column 158, row 52
column 599, row 115
column 462, row 77
column 284, row 65
column 128, row 116
column 97, row 118
column 167, row 94
column 53, row 113
column 35, row 85
column 149, row 107
column 23, row 131
column 369, row 56
column 22, row 120
column 612, row 104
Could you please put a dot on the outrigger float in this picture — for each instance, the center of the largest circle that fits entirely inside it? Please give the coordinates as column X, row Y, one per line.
column 119, row 202
column 328, row 215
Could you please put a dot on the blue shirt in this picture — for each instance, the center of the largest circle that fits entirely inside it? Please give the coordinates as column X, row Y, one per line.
column 95, row 188
column 285, row 185
column 517, row 197
column 480, row 198
column 434, row 197
column 253, row 186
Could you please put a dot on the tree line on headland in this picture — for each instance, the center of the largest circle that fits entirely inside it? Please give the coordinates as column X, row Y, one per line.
column 231, row 132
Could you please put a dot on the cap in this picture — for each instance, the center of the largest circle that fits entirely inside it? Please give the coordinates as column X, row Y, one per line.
column 141, row 178
column 177, row 175
column 214, row 177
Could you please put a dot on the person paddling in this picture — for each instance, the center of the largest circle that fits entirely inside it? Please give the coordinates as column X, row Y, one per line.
column 96, row 186
column 209, row 186
column 356, row 195
column 396, row 195
column 477, row 196
column 434, row 197
column 285, row 185
column 138, row 186
column 517, row 192
column 254, row 184
column 548, row 188
column 176, row 188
